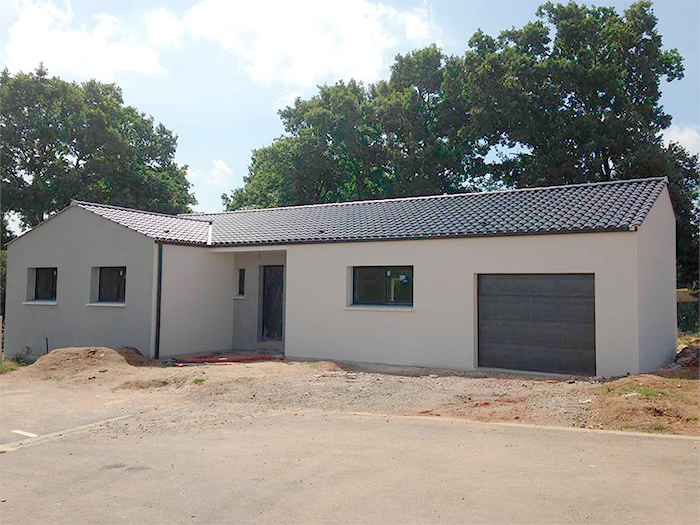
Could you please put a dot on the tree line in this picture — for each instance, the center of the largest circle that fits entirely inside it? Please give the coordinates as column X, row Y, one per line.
column 572, row 97
column 569, row 98
column 61, row 141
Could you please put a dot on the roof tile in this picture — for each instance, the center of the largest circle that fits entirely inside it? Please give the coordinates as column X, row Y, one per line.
column 168, row 228
column 599, row 207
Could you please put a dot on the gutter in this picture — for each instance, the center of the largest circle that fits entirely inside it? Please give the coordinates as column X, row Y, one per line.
column 159, row 299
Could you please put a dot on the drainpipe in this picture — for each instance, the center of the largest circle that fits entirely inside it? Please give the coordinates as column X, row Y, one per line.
column 158, row 299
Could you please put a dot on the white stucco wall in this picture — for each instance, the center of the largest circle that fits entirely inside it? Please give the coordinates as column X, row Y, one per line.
column 74, row 241
column 197, row 306
column 656, row 263
column 246, row 309
column 440, row 330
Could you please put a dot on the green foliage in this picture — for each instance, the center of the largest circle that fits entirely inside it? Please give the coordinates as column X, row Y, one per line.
column 351, row 141
column 580, row 103
column 643, row 390
column 26, row 357
column 61, row 141
column 688, row 317
column 583, row 106
column 3, row 282
column 572, row 97
column 9, row 366
column 6, row 235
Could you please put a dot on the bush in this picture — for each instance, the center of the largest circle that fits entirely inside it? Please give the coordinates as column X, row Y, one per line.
column 688, row 317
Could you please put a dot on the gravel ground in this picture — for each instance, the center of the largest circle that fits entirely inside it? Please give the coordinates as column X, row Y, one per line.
column 216, row 393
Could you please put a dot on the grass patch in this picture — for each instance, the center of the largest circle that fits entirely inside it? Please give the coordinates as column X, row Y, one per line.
column 9, row 365
column 688, row 338
column 642, row 427
column 199, row 381
column 649, row 403
column 642, row 390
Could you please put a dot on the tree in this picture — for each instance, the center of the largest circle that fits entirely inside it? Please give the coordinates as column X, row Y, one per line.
column 578, row 104
column 61, row 141
column 570, row 98
column 351, row 142
column 292, row 170
column 583, row 105
column 339, row 128
column 422, row 125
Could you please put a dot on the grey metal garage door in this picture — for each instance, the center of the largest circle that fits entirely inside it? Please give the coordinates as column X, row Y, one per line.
column 543, row 323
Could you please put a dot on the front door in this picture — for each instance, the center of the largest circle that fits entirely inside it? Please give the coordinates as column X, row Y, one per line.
column 272, row 303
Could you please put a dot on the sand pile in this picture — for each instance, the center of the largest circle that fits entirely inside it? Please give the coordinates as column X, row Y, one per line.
column 65, row 361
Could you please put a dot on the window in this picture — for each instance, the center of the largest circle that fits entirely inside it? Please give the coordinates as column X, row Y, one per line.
column 241, row 282
column 45, row 280
column 112, row 284
column 388, row 285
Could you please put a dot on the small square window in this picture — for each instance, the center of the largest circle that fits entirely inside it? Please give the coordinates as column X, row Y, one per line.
column 45, row 280
column 241, row 282
column 387, row 285
column 112, row 284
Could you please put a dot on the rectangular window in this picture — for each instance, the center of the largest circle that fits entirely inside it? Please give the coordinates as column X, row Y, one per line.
column 45, row 280
column 241, row 282
column 112, row 284
column 388, row 285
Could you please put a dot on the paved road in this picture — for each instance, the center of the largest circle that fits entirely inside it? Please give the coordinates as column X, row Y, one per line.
column 343, row 468
column 39, row 411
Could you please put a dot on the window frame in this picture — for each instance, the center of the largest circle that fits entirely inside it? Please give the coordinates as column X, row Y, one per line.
column 386, row 287
column 54, row 283
column 241, row 282
column 120, row 298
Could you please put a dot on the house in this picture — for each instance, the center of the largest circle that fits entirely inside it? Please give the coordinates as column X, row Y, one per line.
column 574, row 279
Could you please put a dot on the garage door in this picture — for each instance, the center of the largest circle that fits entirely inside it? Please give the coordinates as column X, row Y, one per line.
column 543, row 323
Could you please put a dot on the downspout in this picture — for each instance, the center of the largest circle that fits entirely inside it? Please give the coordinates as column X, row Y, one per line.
column 158, row 299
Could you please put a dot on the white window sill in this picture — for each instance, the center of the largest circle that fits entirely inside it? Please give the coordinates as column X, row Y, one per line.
column 238, row 297
column 107, row 305
column 380, row 308
column 40, row 303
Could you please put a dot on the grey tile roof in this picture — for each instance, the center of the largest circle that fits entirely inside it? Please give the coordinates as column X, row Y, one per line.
column 600, row 207
column 168, row 228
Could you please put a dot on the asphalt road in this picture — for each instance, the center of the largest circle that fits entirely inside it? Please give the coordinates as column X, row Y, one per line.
column 40, row 411
column 345, row 468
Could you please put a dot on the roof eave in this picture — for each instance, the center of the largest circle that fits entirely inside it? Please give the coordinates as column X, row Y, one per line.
column 419, row 237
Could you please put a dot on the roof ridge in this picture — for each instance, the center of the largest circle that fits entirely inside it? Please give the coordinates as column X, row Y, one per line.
column 134, row 210
column 425, row 197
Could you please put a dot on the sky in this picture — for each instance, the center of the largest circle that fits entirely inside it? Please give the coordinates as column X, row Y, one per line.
column 216, row 72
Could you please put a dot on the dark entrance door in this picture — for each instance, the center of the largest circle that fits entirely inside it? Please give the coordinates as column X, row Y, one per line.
column 272, row 303
column 543, row 323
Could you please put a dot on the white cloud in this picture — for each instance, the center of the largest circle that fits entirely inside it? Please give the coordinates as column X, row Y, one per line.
column 419, row 26
column 304, row 43
column 163, row 28
column 686, row 136
column 44, row 32
column 219, row 175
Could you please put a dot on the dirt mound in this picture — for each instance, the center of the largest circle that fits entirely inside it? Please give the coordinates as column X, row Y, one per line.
column 134, row 357
column 689, row 357
column 686, row 364
column 78, row 359
column 650, row 403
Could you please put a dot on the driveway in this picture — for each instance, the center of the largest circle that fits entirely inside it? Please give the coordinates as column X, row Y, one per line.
column 329, row 467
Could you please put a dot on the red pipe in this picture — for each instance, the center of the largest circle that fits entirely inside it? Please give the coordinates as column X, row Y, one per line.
column 233, row 359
